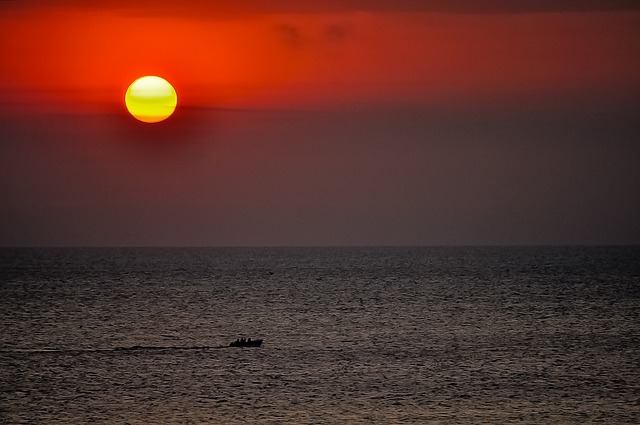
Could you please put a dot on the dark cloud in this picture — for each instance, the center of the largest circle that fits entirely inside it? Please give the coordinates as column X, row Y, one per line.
column 337, row 32
column 290, row 34
column 296, row 36
column 505, row 174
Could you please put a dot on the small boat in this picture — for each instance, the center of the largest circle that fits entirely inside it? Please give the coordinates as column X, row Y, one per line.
column 246, row 343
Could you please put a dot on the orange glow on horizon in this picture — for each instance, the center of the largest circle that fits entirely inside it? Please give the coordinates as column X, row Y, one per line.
column 89, row 56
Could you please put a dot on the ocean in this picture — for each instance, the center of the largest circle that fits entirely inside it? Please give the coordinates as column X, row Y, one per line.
column 433, row 335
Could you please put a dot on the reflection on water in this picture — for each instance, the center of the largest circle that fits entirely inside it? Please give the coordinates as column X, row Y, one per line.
column 388, row 335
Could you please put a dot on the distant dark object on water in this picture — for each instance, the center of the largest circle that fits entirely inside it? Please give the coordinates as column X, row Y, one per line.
column 242, row 342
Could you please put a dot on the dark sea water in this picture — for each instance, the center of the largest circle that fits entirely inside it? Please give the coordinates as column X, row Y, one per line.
column 351, row 335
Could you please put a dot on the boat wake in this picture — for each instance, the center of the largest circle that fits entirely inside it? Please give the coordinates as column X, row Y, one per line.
column 106, row 350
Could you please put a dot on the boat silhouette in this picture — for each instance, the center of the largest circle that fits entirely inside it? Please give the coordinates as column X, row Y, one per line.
column 246, row 343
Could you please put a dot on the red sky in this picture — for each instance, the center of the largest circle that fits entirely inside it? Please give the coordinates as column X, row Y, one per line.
column 300, row 122
column 227, row 55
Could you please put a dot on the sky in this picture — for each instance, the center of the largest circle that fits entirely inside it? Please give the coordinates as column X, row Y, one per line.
column 303, row 123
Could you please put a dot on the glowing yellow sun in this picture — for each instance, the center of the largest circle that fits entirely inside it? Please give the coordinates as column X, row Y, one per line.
column 151, row 99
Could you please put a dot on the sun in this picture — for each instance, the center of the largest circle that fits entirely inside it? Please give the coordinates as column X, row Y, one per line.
column 151, row 99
